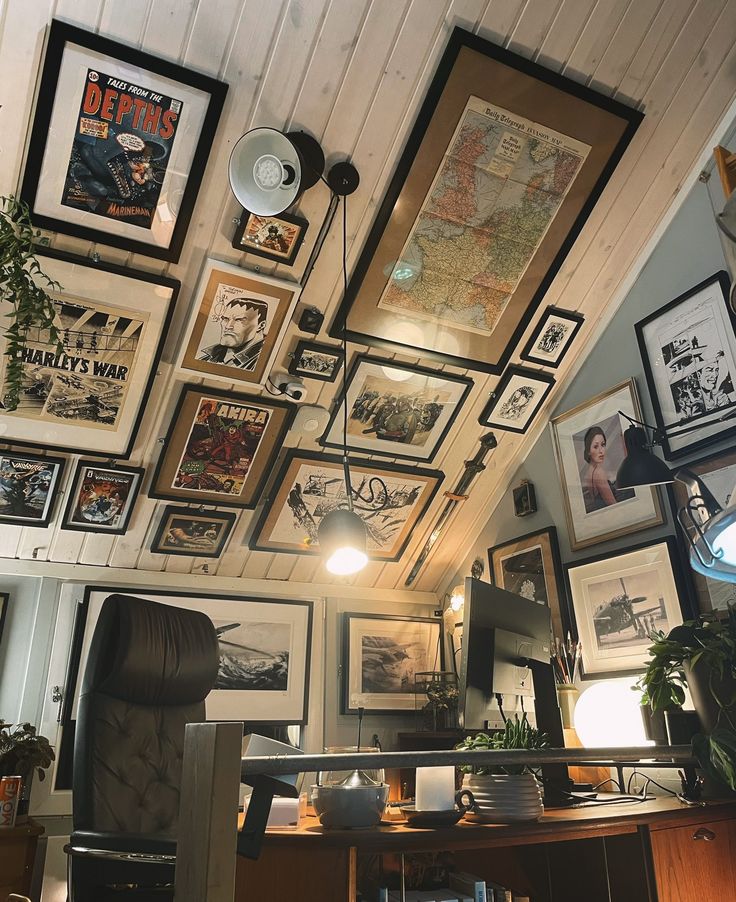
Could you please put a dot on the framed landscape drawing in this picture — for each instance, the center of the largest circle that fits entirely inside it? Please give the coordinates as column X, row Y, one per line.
column 309, row 485
column 237, row 323
column 220, row 447
column 192, row 531
column 688, row 349
column 397, row 409
column 381, row 656
column 552, row 337
column 29, row 485
column 589, row 448
column 316, row 361
column 274, row 237
column 101, row 498
column 502, row 168
column 516, row 399
column 119, row 143
column 90, row 396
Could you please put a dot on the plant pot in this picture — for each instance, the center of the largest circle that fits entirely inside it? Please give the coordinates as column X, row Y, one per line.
column 24, row 799
column 655, row 728
column 504, row 799
column 699, row 683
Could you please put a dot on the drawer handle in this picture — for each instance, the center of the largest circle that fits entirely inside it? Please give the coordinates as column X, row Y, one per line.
column 704, row 833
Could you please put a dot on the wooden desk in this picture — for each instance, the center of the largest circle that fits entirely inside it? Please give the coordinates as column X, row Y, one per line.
column 17, row 852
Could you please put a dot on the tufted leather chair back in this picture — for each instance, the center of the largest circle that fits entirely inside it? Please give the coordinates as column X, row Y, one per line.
column 149, row 670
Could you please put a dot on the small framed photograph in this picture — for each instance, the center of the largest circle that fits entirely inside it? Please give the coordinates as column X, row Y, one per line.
column 28, row 488
column 315, row 361
column 552, row 337
column 382, row 654
column 274, row 237
column 101, row 498
column 516, row 399
column 192, row 531
column 525, row 499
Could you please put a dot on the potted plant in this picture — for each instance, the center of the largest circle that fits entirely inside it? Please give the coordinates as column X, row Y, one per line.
column 22, row 752
column 504, row 794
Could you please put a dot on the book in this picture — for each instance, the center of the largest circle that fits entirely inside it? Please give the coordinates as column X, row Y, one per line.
column 467, row 883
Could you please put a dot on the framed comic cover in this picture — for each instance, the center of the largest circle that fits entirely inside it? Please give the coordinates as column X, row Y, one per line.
column 29, row 485
column 220, row 447
column 589, row 448
column 688, row 349
column 380, row 657
column 89, row 397
column 237, row 323
column 503, row 166
column 552, row 337
column 102, row 497
column 312, row 360
column 516, row 399
column 119, row 143
column 396, row 409
column 276, row 238
column 308, row 485
column 192, row 531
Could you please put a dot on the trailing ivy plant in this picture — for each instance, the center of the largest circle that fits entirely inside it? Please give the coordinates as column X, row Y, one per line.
column 24, row 286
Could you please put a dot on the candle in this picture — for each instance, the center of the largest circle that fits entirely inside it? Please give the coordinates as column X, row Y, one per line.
column 435, row 789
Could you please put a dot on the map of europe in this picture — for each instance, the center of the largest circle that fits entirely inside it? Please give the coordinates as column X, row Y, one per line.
column 497, row 190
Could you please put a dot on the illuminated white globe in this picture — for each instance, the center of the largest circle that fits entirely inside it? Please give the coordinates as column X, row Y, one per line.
column 608, row 715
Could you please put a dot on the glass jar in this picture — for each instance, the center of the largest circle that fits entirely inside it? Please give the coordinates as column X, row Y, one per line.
column 436, row 696
column 333, row 777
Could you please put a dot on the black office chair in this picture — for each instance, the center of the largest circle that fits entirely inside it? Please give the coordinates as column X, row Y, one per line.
column 149, row 670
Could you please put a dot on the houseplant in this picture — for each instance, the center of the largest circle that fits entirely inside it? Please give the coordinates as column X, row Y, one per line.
column 22, row 752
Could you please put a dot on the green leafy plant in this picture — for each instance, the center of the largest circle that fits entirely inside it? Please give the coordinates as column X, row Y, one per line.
column 23, row 750
column 24, row 286
column 516, row 734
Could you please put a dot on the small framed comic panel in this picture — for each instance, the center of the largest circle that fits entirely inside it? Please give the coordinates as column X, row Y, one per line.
column 516, row 399
column 274, row 237
column 552, row 337
column 220, row 447
column 90, row 396
column 119, row 143
column 381, row 655
column 102, row 497
column 688, row 349
column 237, row 323
column 396, row 409
column 312, row 360
column 29, row 486
column 192, row 531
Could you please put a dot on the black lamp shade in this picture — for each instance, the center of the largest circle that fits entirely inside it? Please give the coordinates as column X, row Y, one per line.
column 640, row 467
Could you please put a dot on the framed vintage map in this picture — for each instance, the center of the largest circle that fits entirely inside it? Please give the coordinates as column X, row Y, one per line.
column 502, row 168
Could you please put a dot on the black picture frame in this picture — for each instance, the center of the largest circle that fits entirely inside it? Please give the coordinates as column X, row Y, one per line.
column 496, row 402
column 251, row 248
column 62, row 34
column 575, row 319
column 22, row 464
column 4, row 602
column 524, row 498
column 174, row 511
column 328, row 350
column 136, row 474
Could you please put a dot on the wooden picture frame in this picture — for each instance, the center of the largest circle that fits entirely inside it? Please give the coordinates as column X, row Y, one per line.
column 517, row 399
column 276, row 238
column 312, row 360
column 552, row 337
column 101, row 497
column 30, row 486
column 192, row 531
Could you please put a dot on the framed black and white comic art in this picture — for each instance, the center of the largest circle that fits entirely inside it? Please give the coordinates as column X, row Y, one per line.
column 119, row 143
column 516, row 399
column 192, row 531
column 29, row 486
column 102, row 497
column 552, row 337
column 312, row 360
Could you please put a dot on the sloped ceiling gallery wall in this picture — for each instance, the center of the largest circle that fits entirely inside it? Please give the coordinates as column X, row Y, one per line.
column 353, row 73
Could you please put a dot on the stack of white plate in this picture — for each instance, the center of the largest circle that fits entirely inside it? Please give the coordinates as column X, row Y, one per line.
column 504, row 799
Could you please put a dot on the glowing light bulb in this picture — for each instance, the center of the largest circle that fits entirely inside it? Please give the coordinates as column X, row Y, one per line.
column 346, row 560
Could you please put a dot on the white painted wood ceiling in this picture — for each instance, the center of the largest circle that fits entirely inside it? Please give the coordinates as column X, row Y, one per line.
column 353, row 73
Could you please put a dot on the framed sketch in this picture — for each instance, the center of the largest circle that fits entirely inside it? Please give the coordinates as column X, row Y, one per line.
column 552, row 337
column 310, row 484
column 237, row 323
column 524, row 498
column 29, row 485
column 589, row 448
column 381, row 655
column 397, row 409
column 192, row 531
column 502, row 168
column 274, row 237
column 102, row 497
column 688, row 349
column 4, row 599
column 119, row 143
column 619, row 599
column 530, row 566
column 516, row 399
column 220, row 447
column 312, row 360
column 89, row 397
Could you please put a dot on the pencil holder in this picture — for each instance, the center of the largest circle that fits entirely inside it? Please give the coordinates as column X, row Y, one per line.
column 567, row 696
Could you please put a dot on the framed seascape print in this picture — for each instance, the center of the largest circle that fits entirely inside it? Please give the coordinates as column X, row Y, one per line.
column 220, row 447
column 530, row 566
column 390, row 499
column 589, row 448
column 315, row 361
column 192, row 531
column 101, row 498
column 89, row 397
column 381, row 656
column 28, row 488
column 688, row 349
column 237, row 323
column 502, row 168
column 516, row 399
column 397, row 409
column 552, row 337
column 119, row 143
column 274, row 237
column 619, row 599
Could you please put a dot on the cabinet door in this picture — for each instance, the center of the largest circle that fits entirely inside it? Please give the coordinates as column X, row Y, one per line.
column 695, row 862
